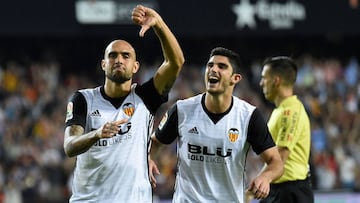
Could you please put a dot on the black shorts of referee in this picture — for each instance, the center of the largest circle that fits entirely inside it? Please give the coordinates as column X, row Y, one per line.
column 299, row 191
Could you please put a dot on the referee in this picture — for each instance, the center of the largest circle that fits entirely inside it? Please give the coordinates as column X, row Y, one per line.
column 290, row 128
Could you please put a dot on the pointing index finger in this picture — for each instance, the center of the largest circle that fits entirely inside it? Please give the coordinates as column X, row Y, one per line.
column 122, row 121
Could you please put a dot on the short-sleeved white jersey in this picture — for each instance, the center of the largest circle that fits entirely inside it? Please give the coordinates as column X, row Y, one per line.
column 211, row 156
column 115, row 169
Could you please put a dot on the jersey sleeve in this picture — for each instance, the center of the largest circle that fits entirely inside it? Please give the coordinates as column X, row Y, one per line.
column 287, row 121
column 76, row 110
column 151, row 97
column 167, row 130
column 259, row 135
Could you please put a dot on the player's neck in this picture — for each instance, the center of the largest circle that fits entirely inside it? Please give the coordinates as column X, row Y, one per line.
column 116, row 90
column 217, row 103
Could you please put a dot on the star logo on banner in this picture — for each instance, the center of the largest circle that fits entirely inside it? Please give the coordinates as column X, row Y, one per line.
column 245, row 14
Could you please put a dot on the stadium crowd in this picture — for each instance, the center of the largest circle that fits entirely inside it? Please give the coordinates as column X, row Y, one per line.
column 33, row 97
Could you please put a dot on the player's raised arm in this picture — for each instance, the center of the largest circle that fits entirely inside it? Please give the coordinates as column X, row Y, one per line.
column 173, row 56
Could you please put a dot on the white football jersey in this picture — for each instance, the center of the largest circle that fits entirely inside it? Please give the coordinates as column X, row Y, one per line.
column 115, row 169
column 211, row 156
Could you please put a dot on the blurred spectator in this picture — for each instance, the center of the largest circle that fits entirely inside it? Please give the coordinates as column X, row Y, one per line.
column 318, row 137
column 325, row 170
column 347, row 170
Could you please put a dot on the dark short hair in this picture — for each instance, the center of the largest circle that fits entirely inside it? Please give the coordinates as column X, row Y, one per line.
column 233, row 57
column 283, row 66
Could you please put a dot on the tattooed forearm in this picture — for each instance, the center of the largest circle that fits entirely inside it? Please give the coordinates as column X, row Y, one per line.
column 76, row 142
column 76, row 130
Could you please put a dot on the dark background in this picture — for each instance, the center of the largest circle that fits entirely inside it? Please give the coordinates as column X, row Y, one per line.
column 28, row 28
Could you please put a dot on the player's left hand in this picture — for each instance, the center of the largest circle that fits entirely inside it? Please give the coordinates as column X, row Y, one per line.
column 153, row 170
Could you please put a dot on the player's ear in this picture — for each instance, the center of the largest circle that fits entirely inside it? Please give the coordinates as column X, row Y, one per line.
column 136, row 67
column 235, row 78
column 103, row 64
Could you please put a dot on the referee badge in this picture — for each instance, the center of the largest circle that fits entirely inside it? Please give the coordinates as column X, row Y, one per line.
column 233, row 134
column 128, row 109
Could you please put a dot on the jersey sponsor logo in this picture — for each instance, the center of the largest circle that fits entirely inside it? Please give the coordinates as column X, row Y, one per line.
column 69, row 111
column 96, row 113
column 111, row 141
column 287, row 112
column 205, row 154
column 129, row 109
column 289, row 122
column 193, row 130
column 123, row 135
column 125, row 128
column 233, row 134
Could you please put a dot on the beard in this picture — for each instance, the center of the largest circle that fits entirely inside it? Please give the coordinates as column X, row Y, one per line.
column 118, row 77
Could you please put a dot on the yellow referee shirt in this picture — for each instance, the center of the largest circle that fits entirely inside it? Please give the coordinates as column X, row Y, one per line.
column 290, row 127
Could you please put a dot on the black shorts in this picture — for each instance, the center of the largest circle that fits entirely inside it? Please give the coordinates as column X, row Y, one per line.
column 299, row 191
